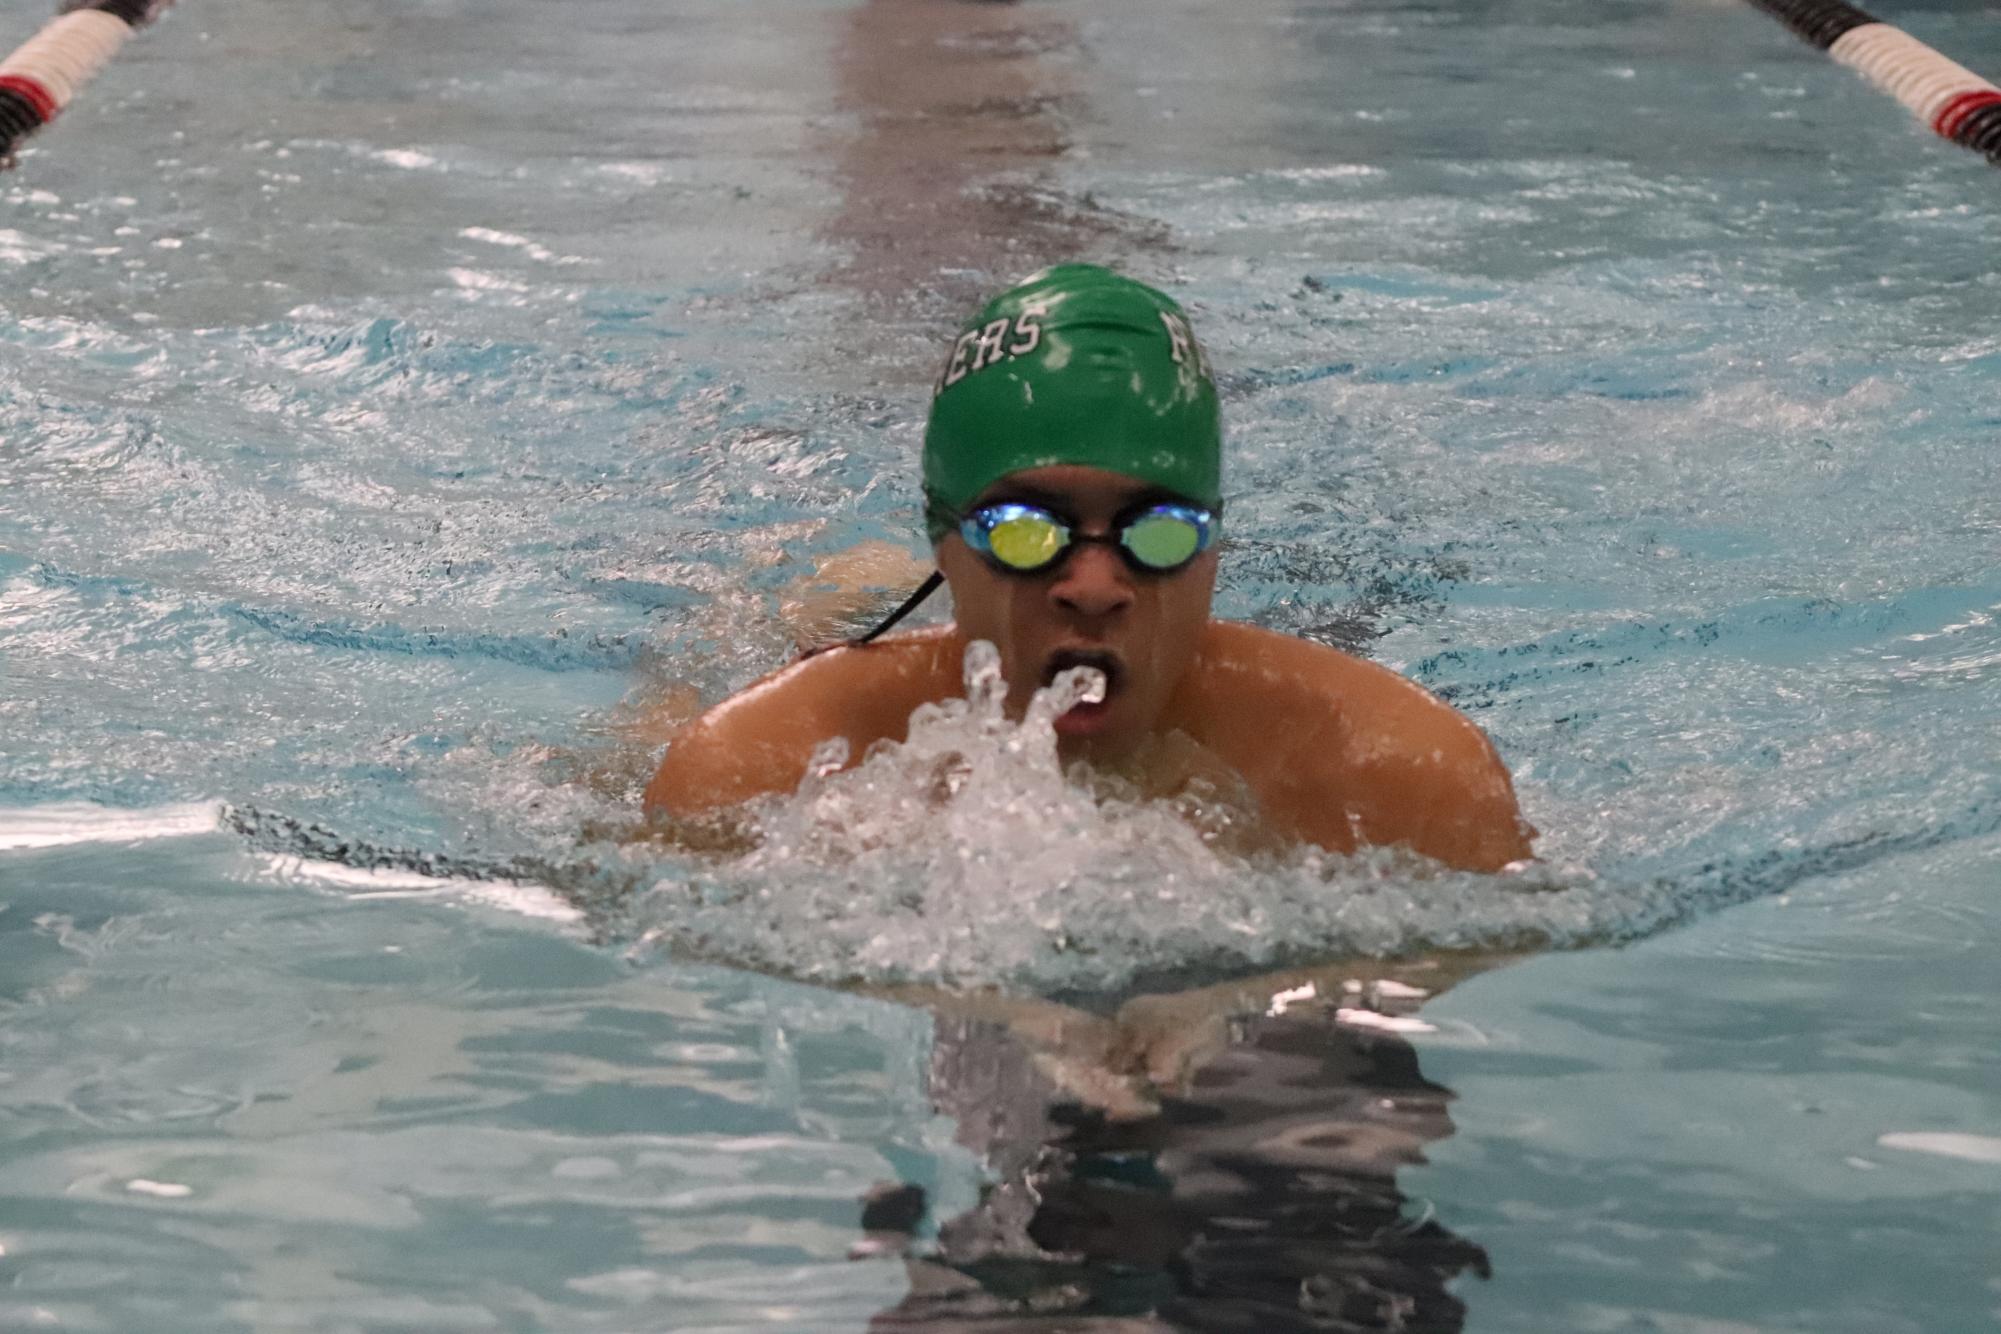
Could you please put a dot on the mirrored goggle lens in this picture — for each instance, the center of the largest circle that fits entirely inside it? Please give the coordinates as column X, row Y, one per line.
column 1026, row 540
column 1161, row 540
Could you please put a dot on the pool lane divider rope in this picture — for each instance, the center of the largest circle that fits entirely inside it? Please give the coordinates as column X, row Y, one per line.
column 47, row 72
column 1954, row 101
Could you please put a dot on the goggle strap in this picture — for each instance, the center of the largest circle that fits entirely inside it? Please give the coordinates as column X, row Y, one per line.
column 910, row 604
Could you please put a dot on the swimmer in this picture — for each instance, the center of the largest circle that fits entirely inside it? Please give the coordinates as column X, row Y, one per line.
column 1073, row 495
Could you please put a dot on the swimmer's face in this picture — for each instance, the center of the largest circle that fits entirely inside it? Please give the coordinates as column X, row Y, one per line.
column 1141, row 628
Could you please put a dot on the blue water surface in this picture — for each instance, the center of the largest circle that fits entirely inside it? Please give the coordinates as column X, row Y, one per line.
column 399, row 400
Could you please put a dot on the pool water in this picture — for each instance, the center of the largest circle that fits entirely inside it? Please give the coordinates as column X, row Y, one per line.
column 399, row 401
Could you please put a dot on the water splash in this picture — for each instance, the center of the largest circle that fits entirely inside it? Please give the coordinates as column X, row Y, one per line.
column 968, row 854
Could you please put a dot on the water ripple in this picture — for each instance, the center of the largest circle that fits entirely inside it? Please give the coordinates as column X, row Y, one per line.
column 556, row 652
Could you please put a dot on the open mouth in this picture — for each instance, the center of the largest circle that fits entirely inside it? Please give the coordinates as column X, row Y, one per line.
column 1102, row 660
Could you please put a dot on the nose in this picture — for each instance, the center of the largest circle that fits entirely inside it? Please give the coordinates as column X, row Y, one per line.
column 1093, row 582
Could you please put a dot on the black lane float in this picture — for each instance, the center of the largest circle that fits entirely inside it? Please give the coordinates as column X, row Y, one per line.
column 45, row 74
column 1954, row 101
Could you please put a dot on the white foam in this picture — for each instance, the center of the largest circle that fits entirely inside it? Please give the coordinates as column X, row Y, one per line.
column 17, row 249
column 394, row 883
column 1946, row 1144
column 165, row 1190
column 967, row 854
column 407, row 158
column 1382, row 1023
column 533, row 249
column 1285, row 1000
column 61, row 823
column 473, row 281
column 1331, row 172
column 646, row 173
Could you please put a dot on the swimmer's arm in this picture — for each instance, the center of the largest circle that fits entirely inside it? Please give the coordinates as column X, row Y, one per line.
column 1162, row 1039
column 760, row 741
column 752, row 744
column 1085, row 1056
column 1155, row 1044
column 703, row 773
column 1436, row 785
column 727, row 755
column 1346, row 753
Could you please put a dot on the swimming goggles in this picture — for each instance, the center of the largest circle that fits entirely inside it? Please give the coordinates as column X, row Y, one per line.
column 1154, row 538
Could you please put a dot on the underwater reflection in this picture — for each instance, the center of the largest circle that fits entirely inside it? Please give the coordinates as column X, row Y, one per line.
column 955, row 121
column 1264, row 1198
column 956, row 113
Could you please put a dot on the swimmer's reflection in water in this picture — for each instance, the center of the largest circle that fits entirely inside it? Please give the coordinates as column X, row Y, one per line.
column 1264, row 1200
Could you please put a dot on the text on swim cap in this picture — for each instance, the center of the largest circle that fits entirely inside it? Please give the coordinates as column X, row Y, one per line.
column 1009, row 337
column 1181, row 343
column 985, row 345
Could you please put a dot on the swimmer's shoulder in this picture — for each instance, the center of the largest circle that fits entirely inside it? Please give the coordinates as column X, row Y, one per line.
column 1353, row 745
column 1248, row 664
column 760, row 739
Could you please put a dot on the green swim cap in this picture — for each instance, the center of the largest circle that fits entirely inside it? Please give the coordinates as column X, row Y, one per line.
column 1076, row 365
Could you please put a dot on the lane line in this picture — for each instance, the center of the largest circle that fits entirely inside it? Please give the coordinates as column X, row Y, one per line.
column 1953, row 101
column 46, row 72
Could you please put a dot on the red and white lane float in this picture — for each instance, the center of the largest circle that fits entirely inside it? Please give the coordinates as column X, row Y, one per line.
column 45, row 74
column 1954, row 101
